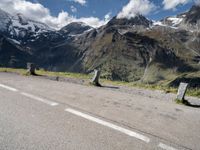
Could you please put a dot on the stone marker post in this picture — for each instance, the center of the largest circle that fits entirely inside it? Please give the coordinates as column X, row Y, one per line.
column 95, row 80
column 181, row 91
column 31, row 68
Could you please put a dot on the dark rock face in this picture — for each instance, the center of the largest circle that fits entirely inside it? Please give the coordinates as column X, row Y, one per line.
column 193, row 15
column 22, row 19
column 193, row 82
column 75, row 28
column 11, row 55
column 5, row 21
column 138, row 20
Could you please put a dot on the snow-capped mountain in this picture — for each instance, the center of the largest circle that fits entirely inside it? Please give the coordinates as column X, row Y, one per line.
column 18, row 26
column 20, row 23
column 189, row 20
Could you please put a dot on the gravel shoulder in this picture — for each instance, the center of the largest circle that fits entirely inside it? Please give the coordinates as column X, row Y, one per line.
column 157, row 94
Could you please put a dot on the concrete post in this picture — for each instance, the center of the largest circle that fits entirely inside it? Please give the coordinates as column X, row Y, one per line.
column 95, row 80
column 31, row 68
column 181, row 91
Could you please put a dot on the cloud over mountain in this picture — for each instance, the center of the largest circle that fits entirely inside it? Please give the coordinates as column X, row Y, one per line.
column 172, row 4
column 135, row 7
column 38, row 12
column 197, row 2
column 73, row 9
column 82, row 2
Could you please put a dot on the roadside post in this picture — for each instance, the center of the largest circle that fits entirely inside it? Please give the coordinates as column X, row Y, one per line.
column 31, row 68
column 95, row 79
column 182, row 91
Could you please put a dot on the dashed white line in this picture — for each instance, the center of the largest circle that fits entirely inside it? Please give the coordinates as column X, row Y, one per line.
column 110, row 125
column 88, row 117
column 8, row 88
column 166, row 147
column 40, row 99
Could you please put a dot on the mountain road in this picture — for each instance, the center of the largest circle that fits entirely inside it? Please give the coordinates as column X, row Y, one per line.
column 37, row 113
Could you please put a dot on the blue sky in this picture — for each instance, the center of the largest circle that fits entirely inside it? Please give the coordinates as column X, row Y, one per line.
column 99, row 8
column 58, row 13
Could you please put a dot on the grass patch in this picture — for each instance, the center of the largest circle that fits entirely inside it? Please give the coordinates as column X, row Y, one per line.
column 64, row 74
column 167, row 89
column 178, row 101
column 12, row 70
column 48, row 73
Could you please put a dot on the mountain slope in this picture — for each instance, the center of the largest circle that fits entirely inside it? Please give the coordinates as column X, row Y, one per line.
column 125, row 49
column 12, row 55
column 129, row 56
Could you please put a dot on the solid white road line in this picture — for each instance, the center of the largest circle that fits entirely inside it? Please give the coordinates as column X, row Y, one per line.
column 40, row 99
column 8, row 88
column 166, row 147
column 110, row 125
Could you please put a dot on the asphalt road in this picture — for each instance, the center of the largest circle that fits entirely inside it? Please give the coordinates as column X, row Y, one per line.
column 41, row 114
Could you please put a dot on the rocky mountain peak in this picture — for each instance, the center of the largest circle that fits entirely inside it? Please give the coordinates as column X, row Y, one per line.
column 137, row 20
column 75, row 28
column 22, row 19
column 189, row 20
column 5, row 20
column 3, row 13
column 193, row 15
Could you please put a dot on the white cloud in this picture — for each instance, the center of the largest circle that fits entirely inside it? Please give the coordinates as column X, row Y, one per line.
column 172, row 4
column 38, row 12
column 135, row 7
column 32, row 10
column 107, row 17
column 197, row 2
column 82, row 2
column 73, row 9
column 92, row 21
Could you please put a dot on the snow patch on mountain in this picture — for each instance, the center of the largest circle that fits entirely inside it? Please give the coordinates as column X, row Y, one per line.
column 4, row 20
column 158, row 23
column 161, row 24
column 18, row 25
column 15, row 41
column 175, row 21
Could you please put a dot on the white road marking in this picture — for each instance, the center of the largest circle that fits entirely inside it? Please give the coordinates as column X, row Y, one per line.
column 8, row 88
column 166, row 147
column 110, row 125
column 40, row 99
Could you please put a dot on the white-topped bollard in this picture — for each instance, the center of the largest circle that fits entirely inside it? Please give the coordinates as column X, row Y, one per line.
column 95, row 79
column 31, row 68
column 182, row 91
